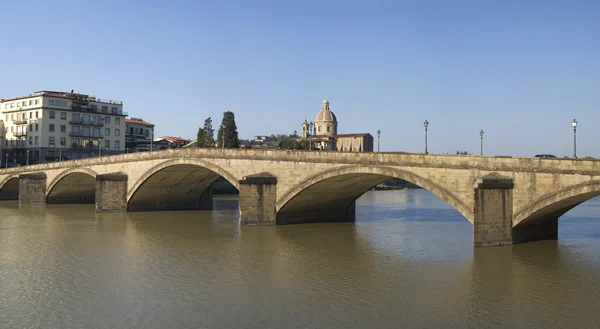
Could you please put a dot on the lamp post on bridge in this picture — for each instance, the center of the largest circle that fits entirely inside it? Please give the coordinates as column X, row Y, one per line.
column 574, row 123
column 310, row 134
column 481, row 146
column 378, row 137
column 426, row 124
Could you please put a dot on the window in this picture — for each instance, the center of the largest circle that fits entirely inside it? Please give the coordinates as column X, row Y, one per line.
column 30, row 115
column 75, row 131
column 106, row 131
column 75, row 117
column 328, row 128
column 117, row 132
column 63, row 128
column 107, row 144
column 117, row 146
column 104, row 109
column 51, row 128
column 319, row 128
column 50, row 154
column 30, row 140
column 114, row 110
column 37, row 101
column 36, row 114
column 85, row 131
column 57, row 102
column 75, row 142
column 107, row 120
column 51, row 141
column 117, row 121
column 30, row 127
column 63, row 115
column 86, row 119
column 63, row 141
column 94, row 108
column 96, row 132
column 36, row 127
column 131, row 130
column 30, row 102
column 97, row 120
column 24, row 103
column 52, row 114
column 37, row 141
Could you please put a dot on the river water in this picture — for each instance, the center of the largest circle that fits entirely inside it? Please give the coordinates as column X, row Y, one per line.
column 408, row 262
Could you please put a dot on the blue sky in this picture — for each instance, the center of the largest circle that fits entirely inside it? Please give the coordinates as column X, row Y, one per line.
column 519, row 70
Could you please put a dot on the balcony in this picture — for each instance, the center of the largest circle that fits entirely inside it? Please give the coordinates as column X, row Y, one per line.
column 20, row 122
column 20, row 134
column 79, row 134
column 88, row 123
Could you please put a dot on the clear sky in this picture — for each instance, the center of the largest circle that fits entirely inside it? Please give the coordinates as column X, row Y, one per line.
column 519, row 70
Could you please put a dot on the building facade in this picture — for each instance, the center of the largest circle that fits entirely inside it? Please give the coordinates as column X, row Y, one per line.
column 53, row 126
column 139, row 135
column 169, row 142
column 323, row 134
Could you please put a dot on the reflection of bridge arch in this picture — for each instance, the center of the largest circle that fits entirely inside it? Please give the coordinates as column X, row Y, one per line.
column 348, row 183
column 66, row 173
column 176, row 184
column 552, row 205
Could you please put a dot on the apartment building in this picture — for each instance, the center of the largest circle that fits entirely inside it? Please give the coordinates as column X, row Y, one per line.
column 53, row 126
column 138, row 135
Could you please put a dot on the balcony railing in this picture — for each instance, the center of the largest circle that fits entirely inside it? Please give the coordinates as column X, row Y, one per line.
column 20, row 134
column 88, row 123
column 20, row 122
column 79, row 134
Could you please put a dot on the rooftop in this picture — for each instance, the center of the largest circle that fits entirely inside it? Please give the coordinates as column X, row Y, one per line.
column 64, row 94
column 139, row 121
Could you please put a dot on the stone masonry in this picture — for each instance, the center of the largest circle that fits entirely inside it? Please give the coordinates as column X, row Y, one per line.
column 318, row 186
column 32, row 188
column 111, row 192
column 492, row 224
column 257, row 199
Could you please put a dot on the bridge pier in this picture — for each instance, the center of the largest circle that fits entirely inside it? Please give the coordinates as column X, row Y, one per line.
column 32, row 188
column 492, row 225
column 111, row 192
column 258, row 194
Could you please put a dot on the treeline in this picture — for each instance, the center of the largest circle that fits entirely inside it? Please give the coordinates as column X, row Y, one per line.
column 227, row 136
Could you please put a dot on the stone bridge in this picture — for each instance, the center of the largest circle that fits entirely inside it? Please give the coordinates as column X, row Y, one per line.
column 507, row 199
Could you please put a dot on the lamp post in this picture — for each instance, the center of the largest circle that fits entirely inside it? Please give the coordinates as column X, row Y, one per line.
column 310, row 133
column 574, row 123
column 151, row 139
column 378, row 138
column 481, row 146
column 27, row 163
column 426, row 124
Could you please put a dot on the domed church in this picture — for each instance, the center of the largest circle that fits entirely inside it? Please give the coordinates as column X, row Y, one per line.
column 323, row 134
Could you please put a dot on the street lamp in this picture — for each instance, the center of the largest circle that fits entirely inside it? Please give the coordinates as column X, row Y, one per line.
column 574, row 123
column 426, row 124
column 481, row 147
column 378, row 136
column 310, row 133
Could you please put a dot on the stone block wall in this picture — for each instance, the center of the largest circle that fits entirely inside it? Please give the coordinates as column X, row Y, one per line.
column 492, row 225
column 32, row 188
column 111, row 192
column 258, row 195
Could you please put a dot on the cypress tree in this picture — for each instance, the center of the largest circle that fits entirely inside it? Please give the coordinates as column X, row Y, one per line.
column 230, row 129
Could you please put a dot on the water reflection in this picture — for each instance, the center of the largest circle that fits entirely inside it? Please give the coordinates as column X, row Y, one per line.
column 408, row 261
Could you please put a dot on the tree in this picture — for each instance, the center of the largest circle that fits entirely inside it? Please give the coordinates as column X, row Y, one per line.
column 229, row 128
column 294, row 144
column 205, row 135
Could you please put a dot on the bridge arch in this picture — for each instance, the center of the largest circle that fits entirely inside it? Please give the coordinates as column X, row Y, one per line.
column 177, row 184
column 354, row 181
column 553, row 205
column 9, row 188
column 75, row 185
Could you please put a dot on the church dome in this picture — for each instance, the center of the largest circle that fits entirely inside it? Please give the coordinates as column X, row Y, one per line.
column 325, row 115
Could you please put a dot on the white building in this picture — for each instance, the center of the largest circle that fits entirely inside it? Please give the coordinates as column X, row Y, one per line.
column 138, row 135
column 53, row 126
